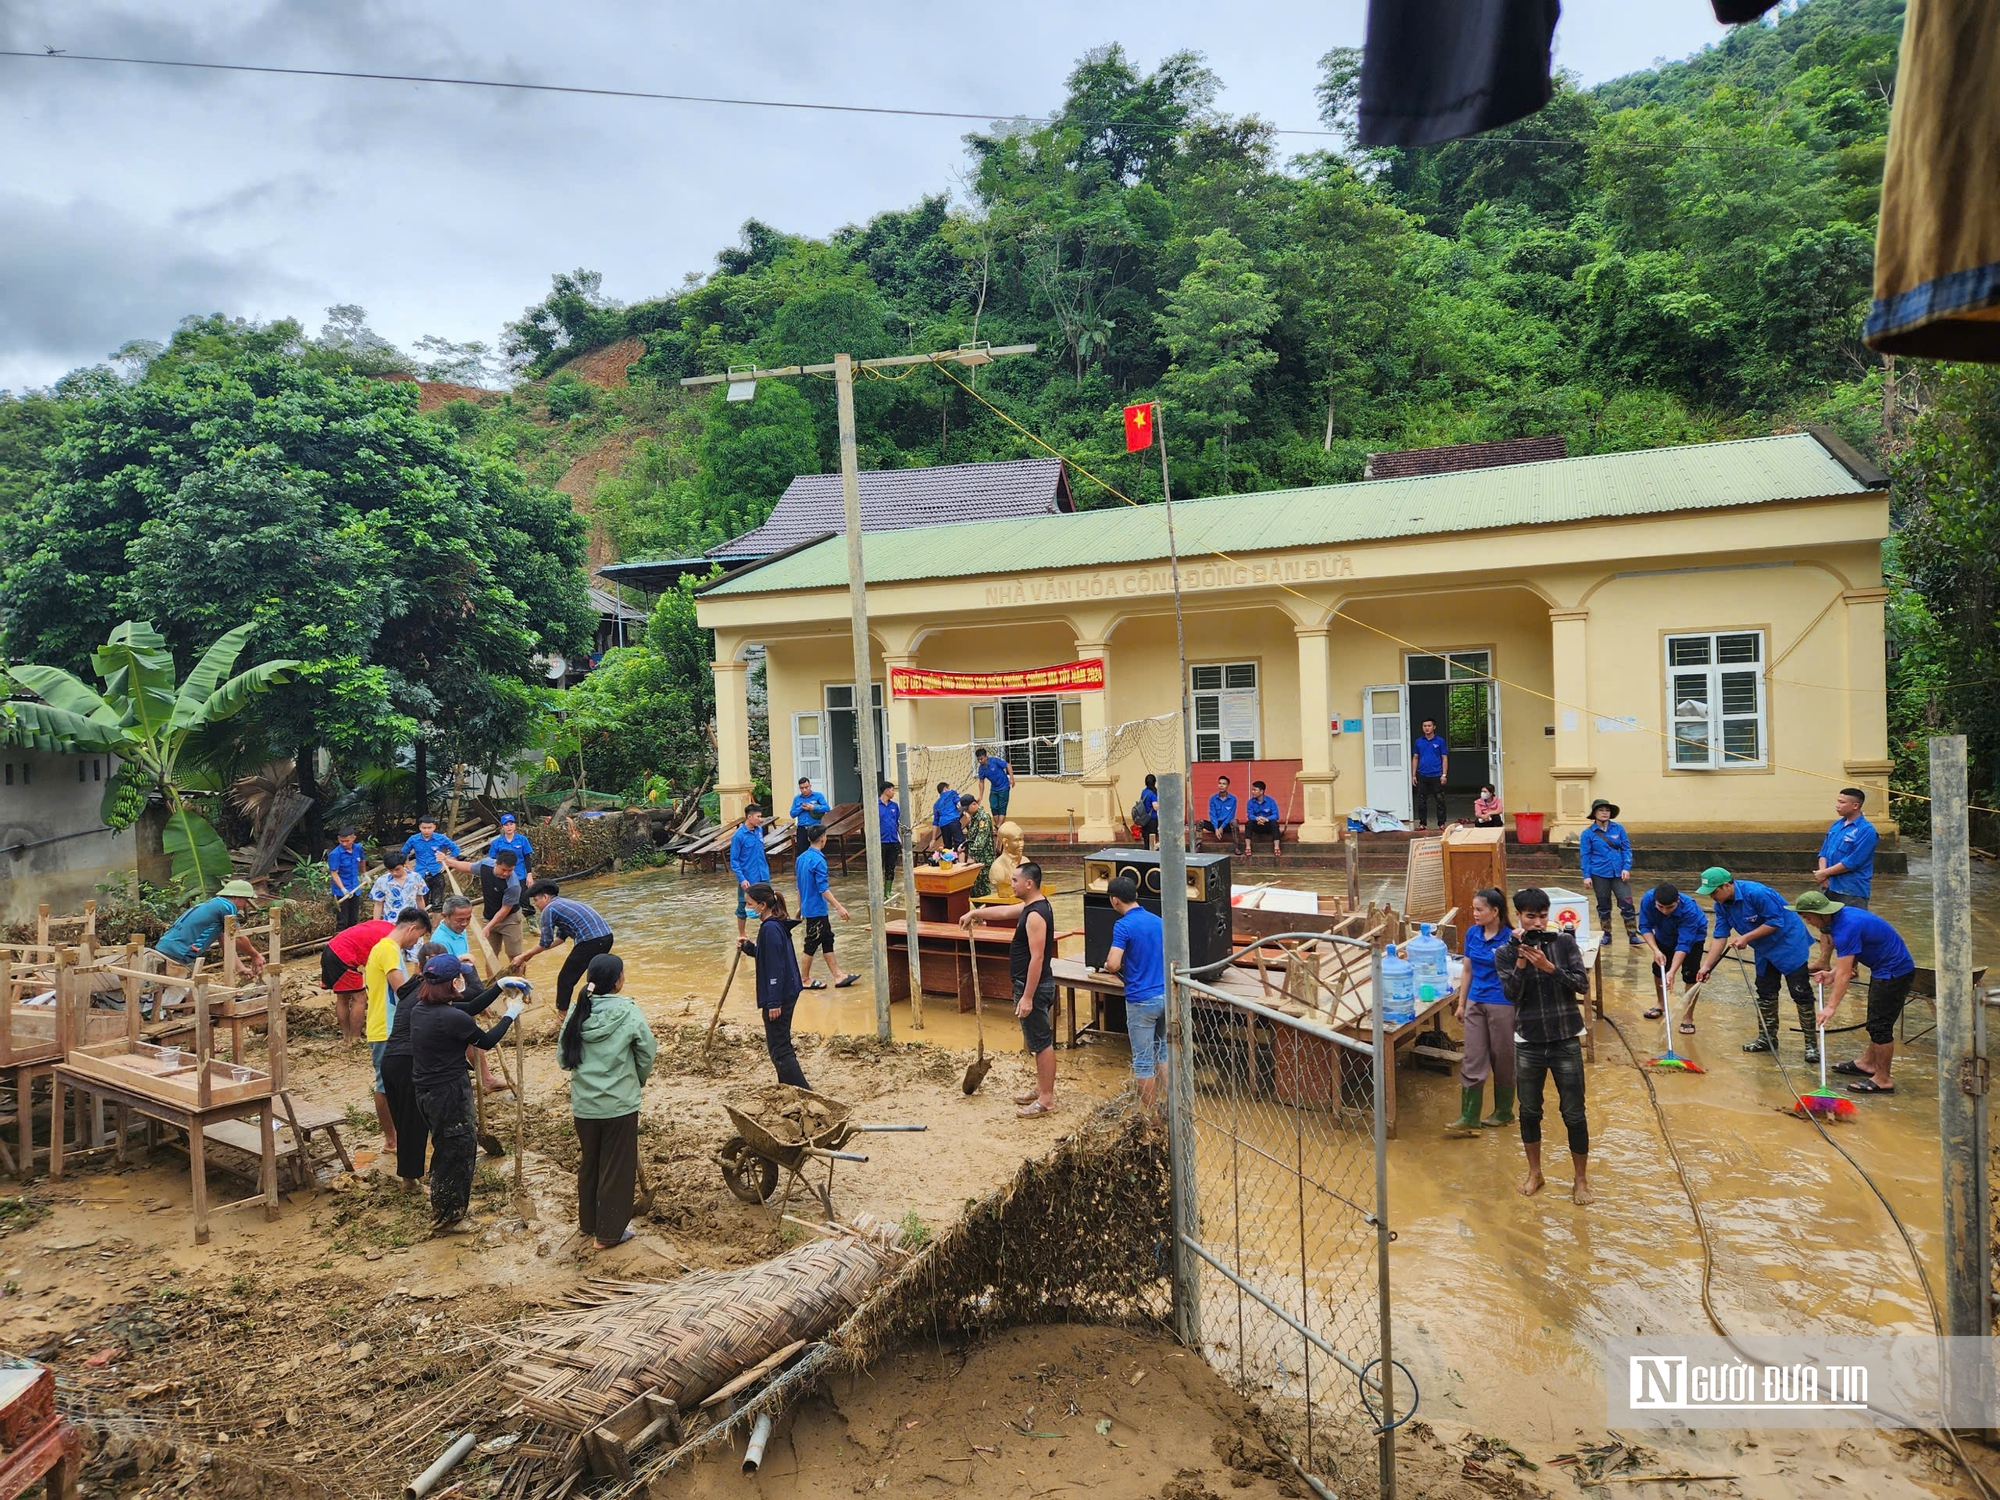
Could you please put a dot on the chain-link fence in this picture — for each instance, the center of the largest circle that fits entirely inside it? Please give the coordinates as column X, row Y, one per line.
column 1282, row 1227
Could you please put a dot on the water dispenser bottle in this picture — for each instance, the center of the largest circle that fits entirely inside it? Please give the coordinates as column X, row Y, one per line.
column 1399, row 980
column 1429, row 958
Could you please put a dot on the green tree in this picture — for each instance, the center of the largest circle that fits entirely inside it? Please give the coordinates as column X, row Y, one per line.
column 147, row 720
column 1214, row 327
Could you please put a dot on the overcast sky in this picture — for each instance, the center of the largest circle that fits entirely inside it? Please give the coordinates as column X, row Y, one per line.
column 135, row 196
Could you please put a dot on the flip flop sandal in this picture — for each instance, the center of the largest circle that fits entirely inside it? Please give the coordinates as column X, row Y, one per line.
column 1654, row 1014
column 1028, row 1098
column 1851, row 1070
column 850, row 979
column 1870, row 1086
column 817, row 984
column 1687, row 1028
column 1036, row 1109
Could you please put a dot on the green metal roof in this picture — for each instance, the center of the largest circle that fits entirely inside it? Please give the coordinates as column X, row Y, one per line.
column 1656, row 481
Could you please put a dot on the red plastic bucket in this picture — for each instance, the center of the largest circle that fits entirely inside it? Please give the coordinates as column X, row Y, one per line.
column 1528, row 827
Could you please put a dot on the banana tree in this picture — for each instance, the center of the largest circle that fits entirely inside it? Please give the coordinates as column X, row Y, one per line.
column 145, row 718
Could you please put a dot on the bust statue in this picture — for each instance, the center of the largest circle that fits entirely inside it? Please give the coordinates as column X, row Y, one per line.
column 1001, row 871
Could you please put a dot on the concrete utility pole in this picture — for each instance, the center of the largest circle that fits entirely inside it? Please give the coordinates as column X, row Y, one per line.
column 1183, row 1208
column 1961, row 1050
column 842, row 369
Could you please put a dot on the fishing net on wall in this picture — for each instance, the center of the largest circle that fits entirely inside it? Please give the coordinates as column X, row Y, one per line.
column 1132, row 749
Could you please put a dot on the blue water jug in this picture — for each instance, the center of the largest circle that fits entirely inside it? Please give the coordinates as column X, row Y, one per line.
column 1428, row 957
column 1399, row 981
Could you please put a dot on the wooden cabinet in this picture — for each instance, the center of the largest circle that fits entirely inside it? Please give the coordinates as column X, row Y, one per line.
column 1473, row 858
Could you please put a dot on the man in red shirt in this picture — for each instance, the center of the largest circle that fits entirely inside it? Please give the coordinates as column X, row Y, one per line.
column 340, row 965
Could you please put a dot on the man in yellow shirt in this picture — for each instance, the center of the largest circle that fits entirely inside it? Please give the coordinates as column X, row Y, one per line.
column 382, row 977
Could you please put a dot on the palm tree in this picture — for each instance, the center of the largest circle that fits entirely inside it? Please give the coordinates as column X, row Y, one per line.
column 145, row 719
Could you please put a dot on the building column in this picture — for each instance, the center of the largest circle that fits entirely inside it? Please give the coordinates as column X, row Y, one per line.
column 1573, row 769
column 902, row 723
column 1867, row 691
column 1102, row 818
column 732, row 737
column 1317, row 823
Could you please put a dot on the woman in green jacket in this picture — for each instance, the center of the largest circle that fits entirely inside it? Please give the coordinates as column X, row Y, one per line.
column 607, row 1049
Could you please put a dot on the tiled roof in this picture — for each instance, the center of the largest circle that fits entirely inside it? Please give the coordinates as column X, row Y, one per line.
column 1657, row 481
column 892, row 499
column 1459, row 457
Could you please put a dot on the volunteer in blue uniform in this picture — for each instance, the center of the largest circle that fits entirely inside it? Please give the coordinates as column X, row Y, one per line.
column 1857, row 936
column 890, row 812
column 1138, row 956
column 815, row 892
column 1605, row 853
column 344, row 863
column 1675, row 932
column 945, row 817
column 1847, row 854
column 423, row 847
column 511, row 837
column 808, row 807
column 999, row 779
column 748, row 864
column 1221, row 819
column 1753, row 916
column 1149, row 813
column 1263, row 820
column 1430, row 763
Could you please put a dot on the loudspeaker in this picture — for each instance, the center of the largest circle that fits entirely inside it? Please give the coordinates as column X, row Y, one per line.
column 1207, row 898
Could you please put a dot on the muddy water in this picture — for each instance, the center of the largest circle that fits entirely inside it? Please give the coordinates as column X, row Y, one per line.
column 1503, row 1302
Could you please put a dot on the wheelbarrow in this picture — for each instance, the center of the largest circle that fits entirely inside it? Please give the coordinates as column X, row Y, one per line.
column 795, row 1129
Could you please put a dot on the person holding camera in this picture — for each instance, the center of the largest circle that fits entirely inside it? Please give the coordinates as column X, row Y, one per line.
column 1542, row 975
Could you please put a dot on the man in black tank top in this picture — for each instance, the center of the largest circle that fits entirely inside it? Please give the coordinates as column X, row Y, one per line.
column 1028, row 960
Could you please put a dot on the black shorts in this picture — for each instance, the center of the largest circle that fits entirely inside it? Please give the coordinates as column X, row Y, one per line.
column 952, row 834
column 1038, row 1029
column 819, row 935
column 1886, row 999
column 1227, row 830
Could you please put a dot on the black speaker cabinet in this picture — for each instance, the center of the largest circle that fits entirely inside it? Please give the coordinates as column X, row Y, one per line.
column 1207, row 899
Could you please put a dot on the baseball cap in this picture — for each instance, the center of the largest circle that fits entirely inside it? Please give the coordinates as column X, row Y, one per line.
column 1817, row 904
column 1712, row 877
column 443, row 966
column 506, row 818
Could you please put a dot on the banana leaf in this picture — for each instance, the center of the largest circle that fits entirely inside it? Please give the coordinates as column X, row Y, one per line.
column 40, row 726
column 235, row 693
column 65, row 691
column 138, row 669
column 200, row 858
column 208, row 674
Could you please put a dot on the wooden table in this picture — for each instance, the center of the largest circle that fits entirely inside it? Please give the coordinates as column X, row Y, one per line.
column 193, row 1121
column 1071, row 975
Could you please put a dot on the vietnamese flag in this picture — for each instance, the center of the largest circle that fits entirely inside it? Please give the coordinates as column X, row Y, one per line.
column 1138, row 427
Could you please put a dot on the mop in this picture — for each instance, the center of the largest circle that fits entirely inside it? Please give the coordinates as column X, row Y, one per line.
column 1670, row 1058
column 1823, row 1100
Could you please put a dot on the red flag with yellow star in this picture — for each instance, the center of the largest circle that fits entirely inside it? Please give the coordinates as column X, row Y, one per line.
column 1138, row 427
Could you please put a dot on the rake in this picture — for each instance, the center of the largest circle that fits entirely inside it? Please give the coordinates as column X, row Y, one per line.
column 1671, row 1060
column 1823, row 1100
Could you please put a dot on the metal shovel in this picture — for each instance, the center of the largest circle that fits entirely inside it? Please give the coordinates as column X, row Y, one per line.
column 976, row 1074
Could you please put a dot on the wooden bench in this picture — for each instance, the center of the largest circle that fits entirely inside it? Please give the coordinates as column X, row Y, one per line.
column 241, row 1146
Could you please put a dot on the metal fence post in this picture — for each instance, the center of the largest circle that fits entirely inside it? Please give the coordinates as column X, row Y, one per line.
column 909, row 833
column 1961, row 1050
column 1180, row 1075
column 1385, row 1443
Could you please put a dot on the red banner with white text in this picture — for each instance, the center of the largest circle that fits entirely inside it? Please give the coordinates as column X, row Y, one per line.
column 1069, row 676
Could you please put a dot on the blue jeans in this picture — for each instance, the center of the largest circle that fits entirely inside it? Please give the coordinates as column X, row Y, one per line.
column 1146, row 1020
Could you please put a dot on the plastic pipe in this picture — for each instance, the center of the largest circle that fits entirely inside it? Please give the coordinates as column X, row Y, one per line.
column 760, row 1434
column 425, row 1482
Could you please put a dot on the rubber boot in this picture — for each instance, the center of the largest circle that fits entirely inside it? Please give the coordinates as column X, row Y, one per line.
column 1467, row 1122
column 1632, row 931
column 1503, row 1106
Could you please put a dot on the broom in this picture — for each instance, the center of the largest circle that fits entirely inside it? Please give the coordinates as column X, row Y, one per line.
column 1671, row 1059
column 1823, row 1100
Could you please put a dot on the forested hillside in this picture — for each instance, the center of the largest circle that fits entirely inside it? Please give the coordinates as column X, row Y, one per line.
column 1679, row 255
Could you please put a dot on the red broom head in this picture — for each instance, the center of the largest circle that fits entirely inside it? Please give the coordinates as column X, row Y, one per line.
column 1827, row 1105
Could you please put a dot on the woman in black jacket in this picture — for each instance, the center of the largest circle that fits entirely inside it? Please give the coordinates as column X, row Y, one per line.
column 399, row 1084
column 777, row 980
column 439, row 1034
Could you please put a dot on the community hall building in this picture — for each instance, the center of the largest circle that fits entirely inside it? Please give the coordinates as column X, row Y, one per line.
column 1695, row 633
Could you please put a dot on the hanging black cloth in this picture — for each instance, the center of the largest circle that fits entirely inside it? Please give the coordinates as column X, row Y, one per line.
column 1436, row 70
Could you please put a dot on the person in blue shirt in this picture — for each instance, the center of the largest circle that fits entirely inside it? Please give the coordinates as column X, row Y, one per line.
column 1262, row 820
column 946, row 818
column 999, row 779
column 1605, row 853
column 1487, row 1015
column 748, row 863
column 1148, row 820
column 815, row 895
column 1753, row 916
column 344, row 864
column 1139, row 957
column 511, row 837
column 808, row 807
column 1675, row 933
column 423, row 847
column 1221, row 819
column 201, row 924
column 890, row 813
column 1847, row 853
column 1854, row 935
column 1430, row 763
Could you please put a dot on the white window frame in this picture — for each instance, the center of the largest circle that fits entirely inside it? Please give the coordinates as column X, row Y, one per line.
column 1706, row 693
column 808, row 747
column 1052, row 748
column 1219, row 692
